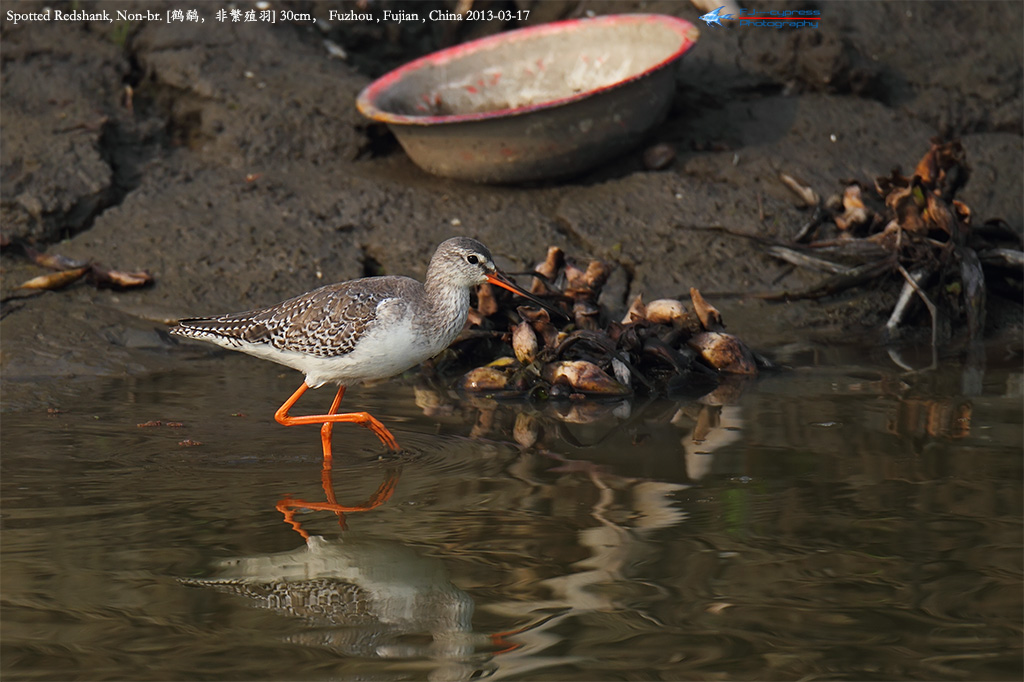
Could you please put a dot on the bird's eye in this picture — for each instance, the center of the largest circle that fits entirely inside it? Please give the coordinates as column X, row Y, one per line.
column 472, row 259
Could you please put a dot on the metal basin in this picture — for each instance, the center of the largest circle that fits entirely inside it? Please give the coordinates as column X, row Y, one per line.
column 542, row 102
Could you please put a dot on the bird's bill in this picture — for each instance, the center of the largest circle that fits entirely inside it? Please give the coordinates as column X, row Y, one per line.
column 498, row 279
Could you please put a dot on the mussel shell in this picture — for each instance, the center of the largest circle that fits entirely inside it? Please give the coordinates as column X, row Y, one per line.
column 583, row 377
column 484, row 379
column 724, row 352
column 524, row 342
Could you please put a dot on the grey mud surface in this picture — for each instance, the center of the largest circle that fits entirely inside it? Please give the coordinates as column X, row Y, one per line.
column 242, row 173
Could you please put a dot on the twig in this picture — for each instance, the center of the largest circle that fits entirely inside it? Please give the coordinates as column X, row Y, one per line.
column 805, row 261
column 834, row 284
column 1002, row 257
column 900, row 309
column 932, row 310
column 972, row 279
column 808, row 229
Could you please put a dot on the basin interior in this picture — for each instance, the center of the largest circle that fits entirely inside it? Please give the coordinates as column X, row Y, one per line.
column 531, row 68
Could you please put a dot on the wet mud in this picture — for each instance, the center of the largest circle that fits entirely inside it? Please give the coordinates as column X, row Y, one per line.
column 230, row 163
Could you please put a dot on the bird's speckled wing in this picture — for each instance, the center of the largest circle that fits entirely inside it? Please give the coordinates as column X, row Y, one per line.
column 325, row 322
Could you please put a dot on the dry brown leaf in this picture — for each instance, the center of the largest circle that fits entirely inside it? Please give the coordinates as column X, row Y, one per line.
column 938, row 216
column 54, row 280
column 855, row 214
column 540, row 320
column 907, row 204
column 708, row 315
column 659, row 156
column 486, row 303
column 595, row 276
column 53, row 261
column 121, row 278
column 549, row 269
column 940, row 162
column 806, row 194
column 585, row 315
column 637, row 311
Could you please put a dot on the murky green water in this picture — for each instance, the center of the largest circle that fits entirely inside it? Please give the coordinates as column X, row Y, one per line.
column 833, row 522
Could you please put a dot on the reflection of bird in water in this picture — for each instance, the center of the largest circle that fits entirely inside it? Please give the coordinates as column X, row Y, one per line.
column 362, row 597
column 371, row 328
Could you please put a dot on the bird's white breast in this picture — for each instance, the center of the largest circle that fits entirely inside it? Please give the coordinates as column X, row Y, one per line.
column 390, row 346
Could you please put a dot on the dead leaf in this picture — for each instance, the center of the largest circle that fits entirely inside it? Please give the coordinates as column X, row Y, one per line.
column 939, row 217
column 944, row 166
column 637, row 311
column 907, row 204
column 540, row 320
column 585, row 314
column 852, row 197
column 963, row 215
column 806, row 194
column 708, row 315
column 586, row 283
column 548, row 269
column 120, row 278
column 855, row 213
column 485, row 301
column 53, row 261
column 54, row 280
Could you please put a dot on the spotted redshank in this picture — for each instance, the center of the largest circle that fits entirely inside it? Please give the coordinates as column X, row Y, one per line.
column 371, row 328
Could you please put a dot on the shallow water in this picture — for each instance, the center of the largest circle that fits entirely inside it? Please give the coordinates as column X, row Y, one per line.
column 840, row 520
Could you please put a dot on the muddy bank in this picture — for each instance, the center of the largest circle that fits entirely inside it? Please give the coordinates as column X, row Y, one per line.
column 228, row 160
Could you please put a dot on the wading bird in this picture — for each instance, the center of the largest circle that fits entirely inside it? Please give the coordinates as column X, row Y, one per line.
column 371, row 328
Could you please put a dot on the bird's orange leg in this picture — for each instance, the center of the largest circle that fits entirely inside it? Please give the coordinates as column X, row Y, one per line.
column 325, row 430
column 327, row 420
